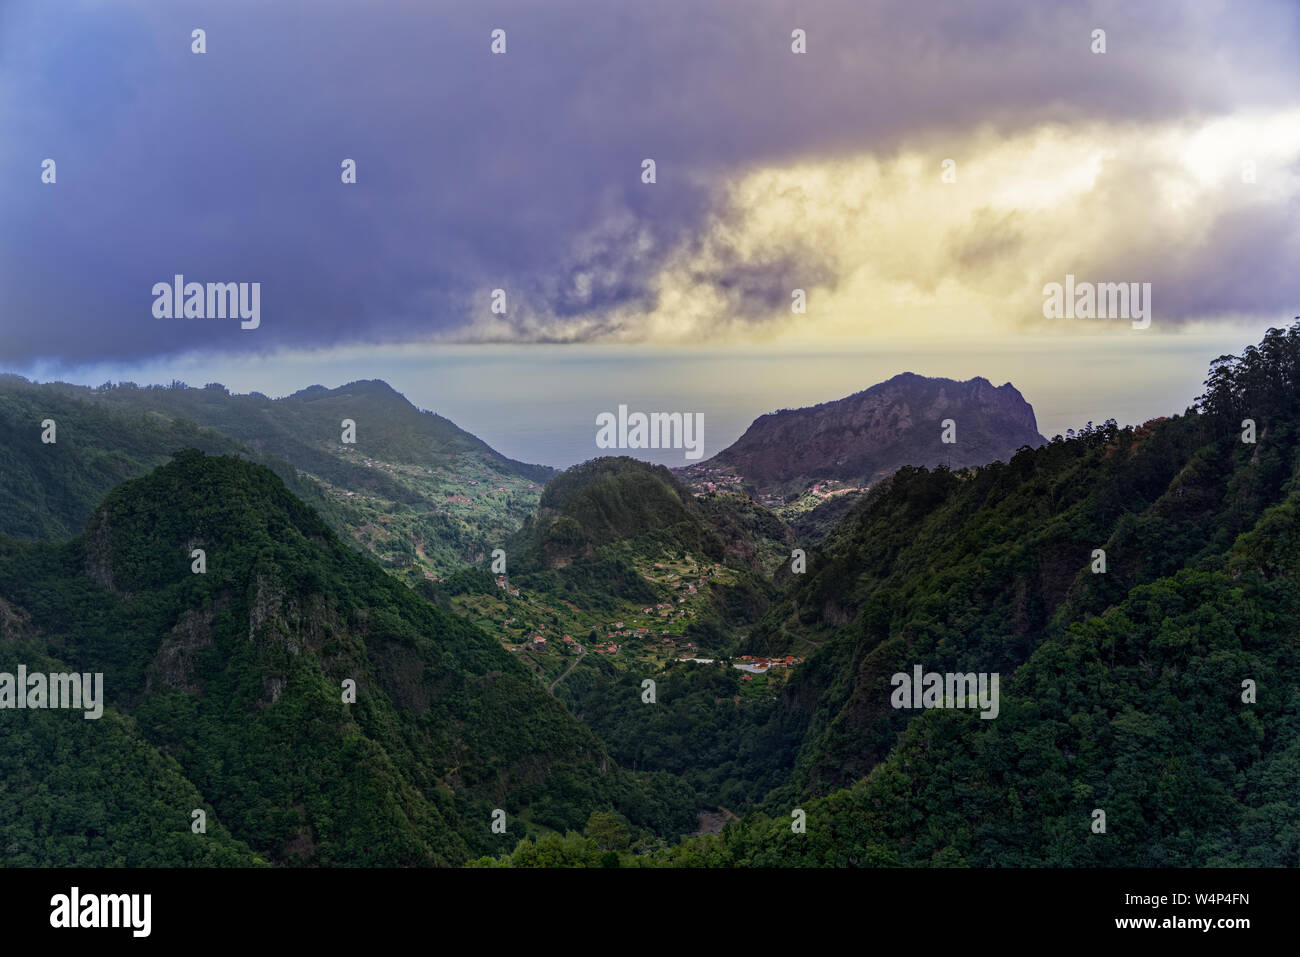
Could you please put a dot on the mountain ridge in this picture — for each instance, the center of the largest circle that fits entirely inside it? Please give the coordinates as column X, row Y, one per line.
column 861, row 438
column 414, row 489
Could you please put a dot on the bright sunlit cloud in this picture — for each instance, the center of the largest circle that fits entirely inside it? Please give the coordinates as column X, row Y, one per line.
column 886, row 248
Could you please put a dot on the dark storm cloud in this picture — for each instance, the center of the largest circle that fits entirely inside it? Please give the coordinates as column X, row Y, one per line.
column 519, row 171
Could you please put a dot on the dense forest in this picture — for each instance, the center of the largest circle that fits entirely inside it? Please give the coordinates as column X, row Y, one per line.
column 1135, row 589
column 232, row 679
column 1125, row 690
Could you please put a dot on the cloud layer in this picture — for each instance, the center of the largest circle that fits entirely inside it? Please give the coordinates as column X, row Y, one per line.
column 522, row 171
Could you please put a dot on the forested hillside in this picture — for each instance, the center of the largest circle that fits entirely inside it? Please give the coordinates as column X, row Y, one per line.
column 1139, row 713
column 48, row 489
column 1158, row 689
column 1134, row 589
column 237, row 675
column 971, row 571
column 412, row 489
column 598, row 522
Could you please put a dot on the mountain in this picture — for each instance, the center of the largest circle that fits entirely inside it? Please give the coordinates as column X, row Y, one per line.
column 231, row 683
column 1136, row 591
column 413, row 489
column 48, row 490
column 601, row 526
column 615, row 533
column 1133, row 588
column 863, row 438
column 619, row 499
column 995, row 570
column 305, row 428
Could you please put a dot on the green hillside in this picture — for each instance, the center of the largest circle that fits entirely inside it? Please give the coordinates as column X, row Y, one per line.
column 1157, row 689
column 616, row 533
column 597, row 522
column 413, row 490
column 236, row 675
column 49, row 489
column 1123, row 691
column 94, row 793
column 305, row 428
column 1137, row 713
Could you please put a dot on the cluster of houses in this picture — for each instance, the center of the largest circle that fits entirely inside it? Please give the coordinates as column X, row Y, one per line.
column 539, row 642
column 617, row 630
column 824, row 490
column 761, row 666
column 665, row 609
column 707, row 478
column 536, row 642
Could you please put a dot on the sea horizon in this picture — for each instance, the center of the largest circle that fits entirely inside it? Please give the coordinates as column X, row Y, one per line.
column 538, row 404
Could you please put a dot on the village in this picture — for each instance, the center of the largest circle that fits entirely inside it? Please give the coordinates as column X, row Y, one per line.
column 547, row 633
column 552, row 636
column 706, row 479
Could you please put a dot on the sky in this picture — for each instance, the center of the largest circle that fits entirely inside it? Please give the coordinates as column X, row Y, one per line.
column 920, row 173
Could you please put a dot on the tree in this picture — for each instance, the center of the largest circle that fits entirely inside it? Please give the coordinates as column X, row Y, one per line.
column 608, row 829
